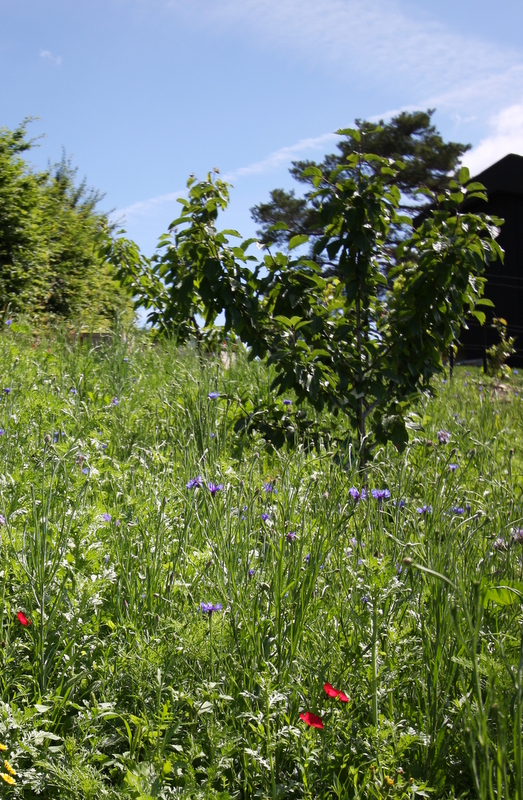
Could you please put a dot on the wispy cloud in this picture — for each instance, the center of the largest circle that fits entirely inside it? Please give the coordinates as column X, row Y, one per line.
column 506, row 136
column 274, row 161
column 46, row 54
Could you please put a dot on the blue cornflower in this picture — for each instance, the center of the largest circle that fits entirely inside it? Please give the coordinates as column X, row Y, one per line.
column 453, row 467
column 209, row 608
column 356, row 494
column 399, row 503
column 85, row 470
column 126, row 359
column 106, row 559
column 213, row 395
column 308, row 557
column 457, row 510
column 380, row 494
column 194, row 483
column 424, row 509
column 515, row 371
column 251, row 573
column 500, row 544
column 72, row 391
column 287, row 402
column 104, row 446
column 290, row 536
column 268, row 487
column 106, row 517
column 215, row 487
column 114, row 401
column 7, row 390
column 10, row 322
column 2, row 432
column 518, row 535
column 265, row 517
column 443, row 436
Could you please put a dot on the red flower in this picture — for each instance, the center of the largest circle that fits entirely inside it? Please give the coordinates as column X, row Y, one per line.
column 336, row 693
column 22, row 619
column 312, row 720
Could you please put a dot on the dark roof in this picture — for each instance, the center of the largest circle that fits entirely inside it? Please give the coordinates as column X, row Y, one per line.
column 506, row 176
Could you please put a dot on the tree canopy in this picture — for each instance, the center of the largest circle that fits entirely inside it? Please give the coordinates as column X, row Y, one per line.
column 429, row 163
column 51, row 241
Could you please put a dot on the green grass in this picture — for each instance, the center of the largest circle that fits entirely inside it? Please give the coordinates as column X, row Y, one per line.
column 121, row 686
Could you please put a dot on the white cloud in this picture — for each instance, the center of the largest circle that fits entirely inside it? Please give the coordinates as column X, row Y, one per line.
column 279, row 158
column 56, row 60
column 506, row 136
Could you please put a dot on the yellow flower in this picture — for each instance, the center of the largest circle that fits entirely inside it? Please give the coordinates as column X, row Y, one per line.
column 389, row 781
column 3, row 746
column 7, row 778
column 9, row 768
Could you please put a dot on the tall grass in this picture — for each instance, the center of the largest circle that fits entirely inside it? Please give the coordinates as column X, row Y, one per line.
column 123, row 685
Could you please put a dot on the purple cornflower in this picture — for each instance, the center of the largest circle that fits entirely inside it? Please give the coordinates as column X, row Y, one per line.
column 457, row 510
column 308, row 557
column 194, row 483
column 424, row 509
column 2, row 432
column 85, row 470
column 399, row 503
column 209, row 608
column 106, row 517
column 9, row 322
column 114, row 401
column 356, row 494
column 215, row 487
column 2, row 519
column 515, row 371
column 287, row 402
column 251, row 573
column 518, row 535
column 290, row 536
column 500, row 544
column 126, row 359
column 7, row 390
column 106, row 559
column 268, row 487
column 453, row 467
column 443, row 437
column 265, row 517
column 380, row 494
column 213, row 395
column 72, row 391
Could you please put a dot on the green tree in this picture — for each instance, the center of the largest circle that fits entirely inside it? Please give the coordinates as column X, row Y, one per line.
column 410, row 137
column 52, row 240
column 347, row 339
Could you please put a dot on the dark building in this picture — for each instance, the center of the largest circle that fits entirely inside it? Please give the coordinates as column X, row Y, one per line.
column 504, row 184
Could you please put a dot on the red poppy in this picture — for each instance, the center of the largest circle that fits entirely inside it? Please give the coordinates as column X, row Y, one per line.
column 22, row 619
column 312, row 720
column 336, row 693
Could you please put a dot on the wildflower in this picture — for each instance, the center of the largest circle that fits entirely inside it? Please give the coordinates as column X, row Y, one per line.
column 269, row 487
column 515, row 371
column 8, row 768
column 388, row 781
column 291, row 536
column 458, row 510
column 214, row 487
column 443, row 437
column 7, row 778
column 2, row 432
column 399, row 503
column 308, row 557
column 213, row 395
column 209, row 608
column 500, row 544
column 126, row 359
column 106, row 517
column 106, row 559
column 365, row 600
column 424, row 509
column 114, row 401
column 3, row 747
column 336, row 693
column 380, row 494
column 22, row 619
column 85, row 470
column 10, row 322
column 453, row 467
column 518, row 535
column 7, row 390
column 103, row 446
column 311, row 720
column 265, row 517
column 2, row 519
column 356, row 494
column 72, row 391
column 287, row 402
column 251, row 573
column 194, row 483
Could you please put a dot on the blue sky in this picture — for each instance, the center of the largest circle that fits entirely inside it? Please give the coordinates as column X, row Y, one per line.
column 141, row 93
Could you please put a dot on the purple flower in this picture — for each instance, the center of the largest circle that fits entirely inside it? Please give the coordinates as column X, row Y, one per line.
column 215, row 487
column 2, row 432
column 500, row 544
column 7, row 390
column 106, row 517
column 518, row 535
column 268, row 488
column 194, row 483
column 515, row 371
column 443, row 437
column 380, row 494
column 9, row 322
column 106, row 559
column 424, row 509
column 251, row 573
column 2, row 519
column 265, row 517
column 85, row 470
column 213, row 395
column 126, row 359
column 72, row 391
column 114, row 401
column 399, row 503
column 457, row 510
column 356, row 494
column 287, row 402
column 209, row 608
column 290, row 536
column 453, row 467
column 104, row 446
column 308, row 557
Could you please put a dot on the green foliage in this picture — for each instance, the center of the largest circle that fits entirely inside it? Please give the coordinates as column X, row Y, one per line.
column 51, row 237
column 409, row 137
column 344, row 338
column 500, row 352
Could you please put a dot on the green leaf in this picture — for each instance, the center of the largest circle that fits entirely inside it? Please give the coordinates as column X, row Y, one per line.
column 296, row 241
column 507, row 594
column 463, row 175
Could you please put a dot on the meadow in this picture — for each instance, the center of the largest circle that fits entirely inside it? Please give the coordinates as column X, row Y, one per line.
column 187, row 612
